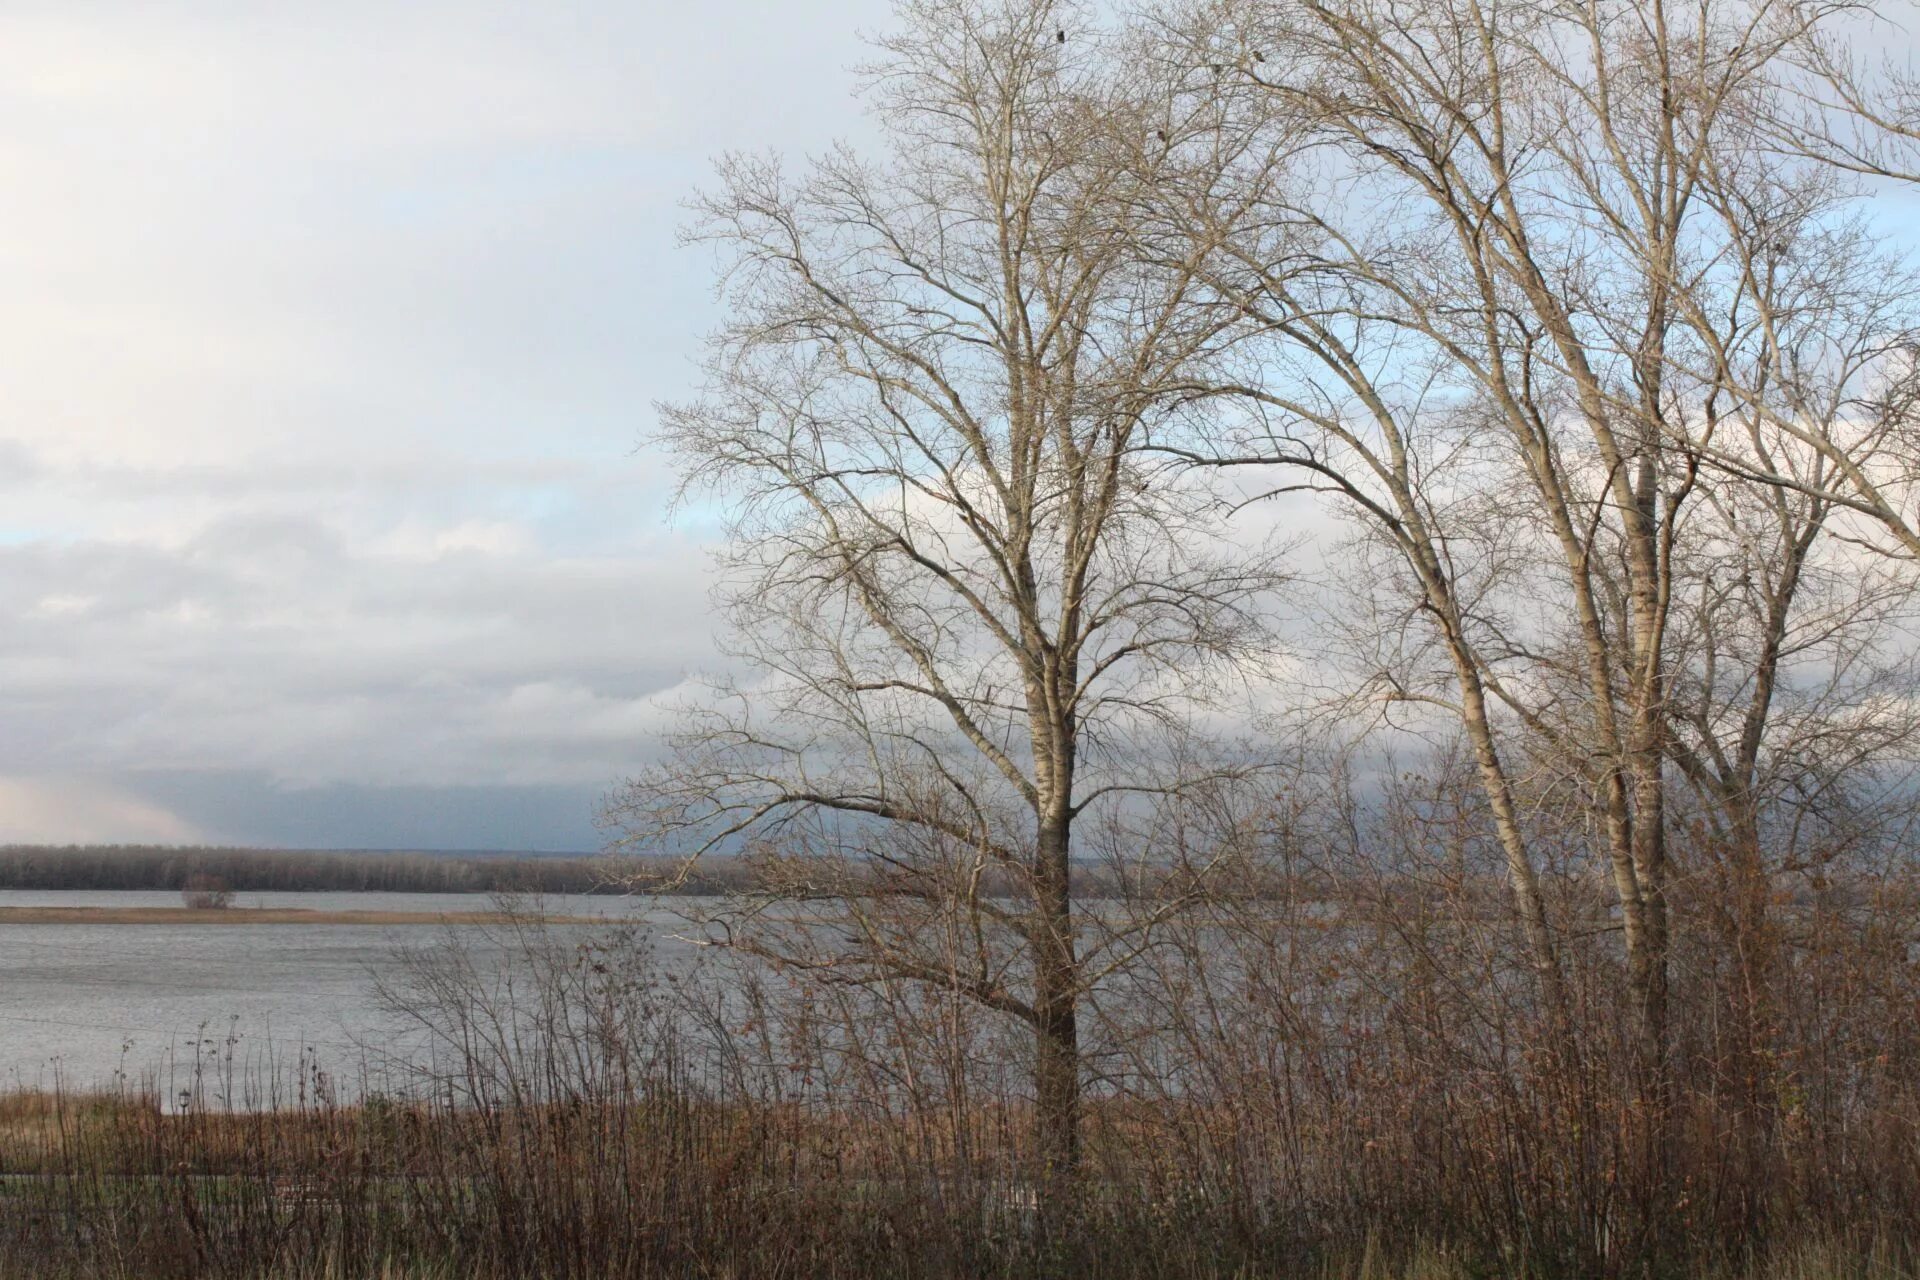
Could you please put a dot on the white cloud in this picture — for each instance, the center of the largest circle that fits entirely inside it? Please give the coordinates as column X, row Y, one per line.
column 387, row 77
column 348, row 634
column 70, row 811
column 326, row 332
column 419, row 541
column 61, row 605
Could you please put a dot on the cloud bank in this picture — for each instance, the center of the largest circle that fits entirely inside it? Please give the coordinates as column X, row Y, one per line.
column 326, row 337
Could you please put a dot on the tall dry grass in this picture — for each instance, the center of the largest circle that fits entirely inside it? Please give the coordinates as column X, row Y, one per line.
column 1277, row 1088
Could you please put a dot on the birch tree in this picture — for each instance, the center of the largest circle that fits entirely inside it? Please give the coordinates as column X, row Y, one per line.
column 1514, row 317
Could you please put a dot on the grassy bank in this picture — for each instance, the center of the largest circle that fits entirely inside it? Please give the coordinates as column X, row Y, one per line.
column 667, row 1184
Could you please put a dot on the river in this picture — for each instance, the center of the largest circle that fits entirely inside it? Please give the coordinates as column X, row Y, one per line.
column 84, row 1005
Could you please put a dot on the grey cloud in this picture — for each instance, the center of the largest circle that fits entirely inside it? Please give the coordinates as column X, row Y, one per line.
column 327, row 337
column 250, row 808
column 310, row 651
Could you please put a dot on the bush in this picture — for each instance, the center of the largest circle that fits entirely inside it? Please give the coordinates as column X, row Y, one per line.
column 203, row 892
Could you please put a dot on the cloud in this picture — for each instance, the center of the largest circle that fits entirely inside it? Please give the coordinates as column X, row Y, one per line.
column 81, row 811
column 372, row 642
column 327, row 336
column 306, row 227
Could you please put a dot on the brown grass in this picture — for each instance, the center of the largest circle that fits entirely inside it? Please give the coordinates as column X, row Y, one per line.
column 665, row 1183
column 1284, row 1099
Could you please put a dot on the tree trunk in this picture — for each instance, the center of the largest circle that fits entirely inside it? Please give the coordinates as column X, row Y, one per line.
column 1056, row 1030
column 1753, row 1008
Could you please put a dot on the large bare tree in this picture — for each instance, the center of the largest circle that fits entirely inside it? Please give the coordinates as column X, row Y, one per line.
column 968, row 605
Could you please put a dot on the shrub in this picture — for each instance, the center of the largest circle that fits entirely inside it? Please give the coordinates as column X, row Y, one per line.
column 204, row 892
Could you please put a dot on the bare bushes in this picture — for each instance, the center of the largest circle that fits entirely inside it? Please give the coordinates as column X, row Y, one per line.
column 203, row 892
column 1330, row 1042
column 1311, row 1071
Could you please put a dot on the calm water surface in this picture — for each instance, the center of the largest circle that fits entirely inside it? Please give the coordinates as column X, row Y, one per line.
column 80, row 1003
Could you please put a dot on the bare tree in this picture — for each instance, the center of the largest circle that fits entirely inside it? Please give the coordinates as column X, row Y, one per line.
column 1534, row 289
column 972, row 608
column 1849, row 100
column 1837, row 122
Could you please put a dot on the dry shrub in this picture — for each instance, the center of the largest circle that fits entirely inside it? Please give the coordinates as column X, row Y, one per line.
column 204, row 892
column 1284, row 1086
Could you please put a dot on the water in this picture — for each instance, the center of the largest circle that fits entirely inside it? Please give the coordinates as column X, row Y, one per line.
column 84, row 1004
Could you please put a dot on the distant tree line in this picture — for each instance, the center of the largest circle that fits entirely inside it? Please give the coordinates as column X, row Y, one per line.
column 182, row 867
column 173, row 867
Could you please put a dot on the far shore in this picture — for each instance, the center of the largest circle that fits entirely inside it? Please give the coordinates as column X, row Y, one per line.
column 266, row 915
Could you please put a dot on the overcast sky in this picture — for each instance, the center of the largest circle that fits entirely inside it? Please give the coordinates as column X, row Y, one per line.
column 327, row 333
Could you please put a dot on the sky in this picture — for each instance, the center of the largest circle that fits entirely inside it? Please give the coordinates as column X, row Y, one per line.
column 329, row 334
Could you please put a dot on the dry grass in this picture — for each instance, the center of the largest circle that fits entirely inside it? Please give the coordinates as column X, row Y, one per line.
column 1284, row 1098
column 665, row 1184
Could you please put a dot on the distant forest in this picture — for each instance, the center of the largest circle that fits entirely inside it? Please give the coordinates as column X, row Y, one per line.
column 293, row 870
column 127, row 866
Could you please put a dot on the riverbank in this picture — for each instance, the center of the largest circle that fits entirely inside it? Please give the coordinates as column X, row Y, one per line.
column 266, row 915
